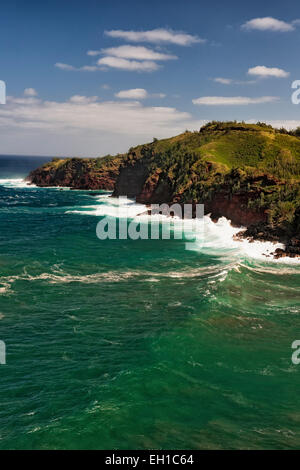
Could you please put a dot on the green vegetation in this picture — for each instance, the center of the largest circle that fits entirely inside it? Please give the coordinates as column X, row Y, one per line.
column 85, row 164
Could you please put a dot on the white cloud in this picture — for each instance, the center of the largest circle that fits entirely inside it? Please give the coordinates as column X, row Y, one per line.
column 230, row 81
column 30, row 92
column 79, row 99
column 159, row 35
column 263, row 71
column 63, row 66
column 159, row 95
column 85, row 68
column 233, row 100
column 27, row 100
column 127, row 57
column 93, row 53
column 136, row 52
column 125, row 64
column 224, row 81
column 85, row 126
column 88, row 68
column 134, row 93
column 268, row 24
column 138, row 94
column 286, row 123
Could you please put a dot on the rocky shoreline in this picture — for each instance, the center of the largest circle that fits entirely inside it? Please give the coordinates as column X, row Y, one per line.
column 251, row 234
column 246, row 173
column 216, row 208
column 260, row 233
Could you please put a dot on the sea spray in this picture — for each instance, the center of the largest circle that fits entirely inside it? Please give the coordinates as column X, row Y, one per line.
column 211, row 237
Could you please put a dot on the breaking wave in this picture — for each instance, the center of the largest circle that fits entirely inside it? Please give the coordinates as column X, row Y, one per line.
column 213, row 237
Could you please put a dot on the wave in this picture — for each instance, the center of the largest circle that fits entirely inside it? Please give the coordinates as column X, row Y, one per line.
column 15, row 183
column 212, row 274
column 220, row 236
column 214, row 238
column 58, row 276
column 112, row 207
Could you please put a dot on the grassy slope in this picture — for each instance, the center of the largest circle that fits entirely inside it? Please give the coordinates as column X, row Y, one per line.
column 237, row 145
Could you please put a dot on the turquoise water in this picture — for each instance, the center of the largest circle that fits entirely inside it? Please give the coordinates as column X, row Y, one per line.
column 122, row 344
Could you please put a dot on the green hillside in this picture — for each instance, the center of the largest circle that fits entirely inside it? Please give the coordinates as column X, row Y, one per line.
column 236, row 145
column 253, row 165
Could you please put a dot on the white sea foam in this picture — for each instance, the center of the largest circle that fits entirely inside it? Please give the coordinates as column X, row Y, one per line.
column 15, row 183
column 219, row 237
column 112, row 207
column 58, row 276
column 213, row 238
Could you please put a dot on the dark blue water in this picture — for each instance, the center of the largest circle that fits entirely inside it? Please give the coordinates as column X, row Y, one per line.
column 19, row 166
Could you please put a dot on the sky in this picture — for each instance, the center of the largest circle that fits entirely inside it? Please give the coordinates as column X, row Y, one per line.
column 97, row 77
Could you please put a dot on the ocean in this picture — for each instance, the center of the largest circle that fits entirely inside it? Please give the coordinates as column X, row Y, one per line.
column 139, row 344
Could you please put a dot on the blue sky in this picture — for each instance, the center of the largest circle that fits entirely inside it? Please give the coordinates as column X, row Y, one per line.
column 156, row 68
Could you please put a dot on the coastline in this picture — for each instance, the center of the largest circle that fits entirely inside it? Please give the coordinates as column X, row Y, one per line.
column 242, row 235
column 249, row 234
column 247, row 173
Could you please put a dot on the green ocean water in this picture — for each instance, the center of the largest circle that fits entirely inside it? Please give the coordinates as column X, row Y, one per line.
column 122, row 344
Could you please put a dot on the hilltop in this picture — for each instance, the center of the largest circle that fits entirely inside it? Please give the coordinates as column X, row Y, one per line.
column 249, row 173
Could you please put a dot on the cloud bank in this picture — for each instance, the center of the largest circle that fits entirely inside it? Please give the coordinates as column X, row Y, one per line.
column 85, row 125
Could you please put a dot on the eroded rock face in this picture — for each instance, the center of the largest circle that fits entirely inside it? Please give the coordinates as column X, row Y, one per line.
column 137, row 182
column 234, row 208
column 77, row 173
column 155, row 191
column 131, row 180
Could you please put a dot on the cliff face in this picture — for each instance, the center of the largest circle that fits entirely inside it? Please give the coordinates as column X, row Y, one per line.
column 98, row 173
column 153, row 188
column 131, row 179
column 234, row 208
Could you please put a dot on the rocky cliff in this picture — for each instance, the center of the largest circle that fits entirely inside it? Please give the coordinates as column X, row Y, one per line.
column 78, row 173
